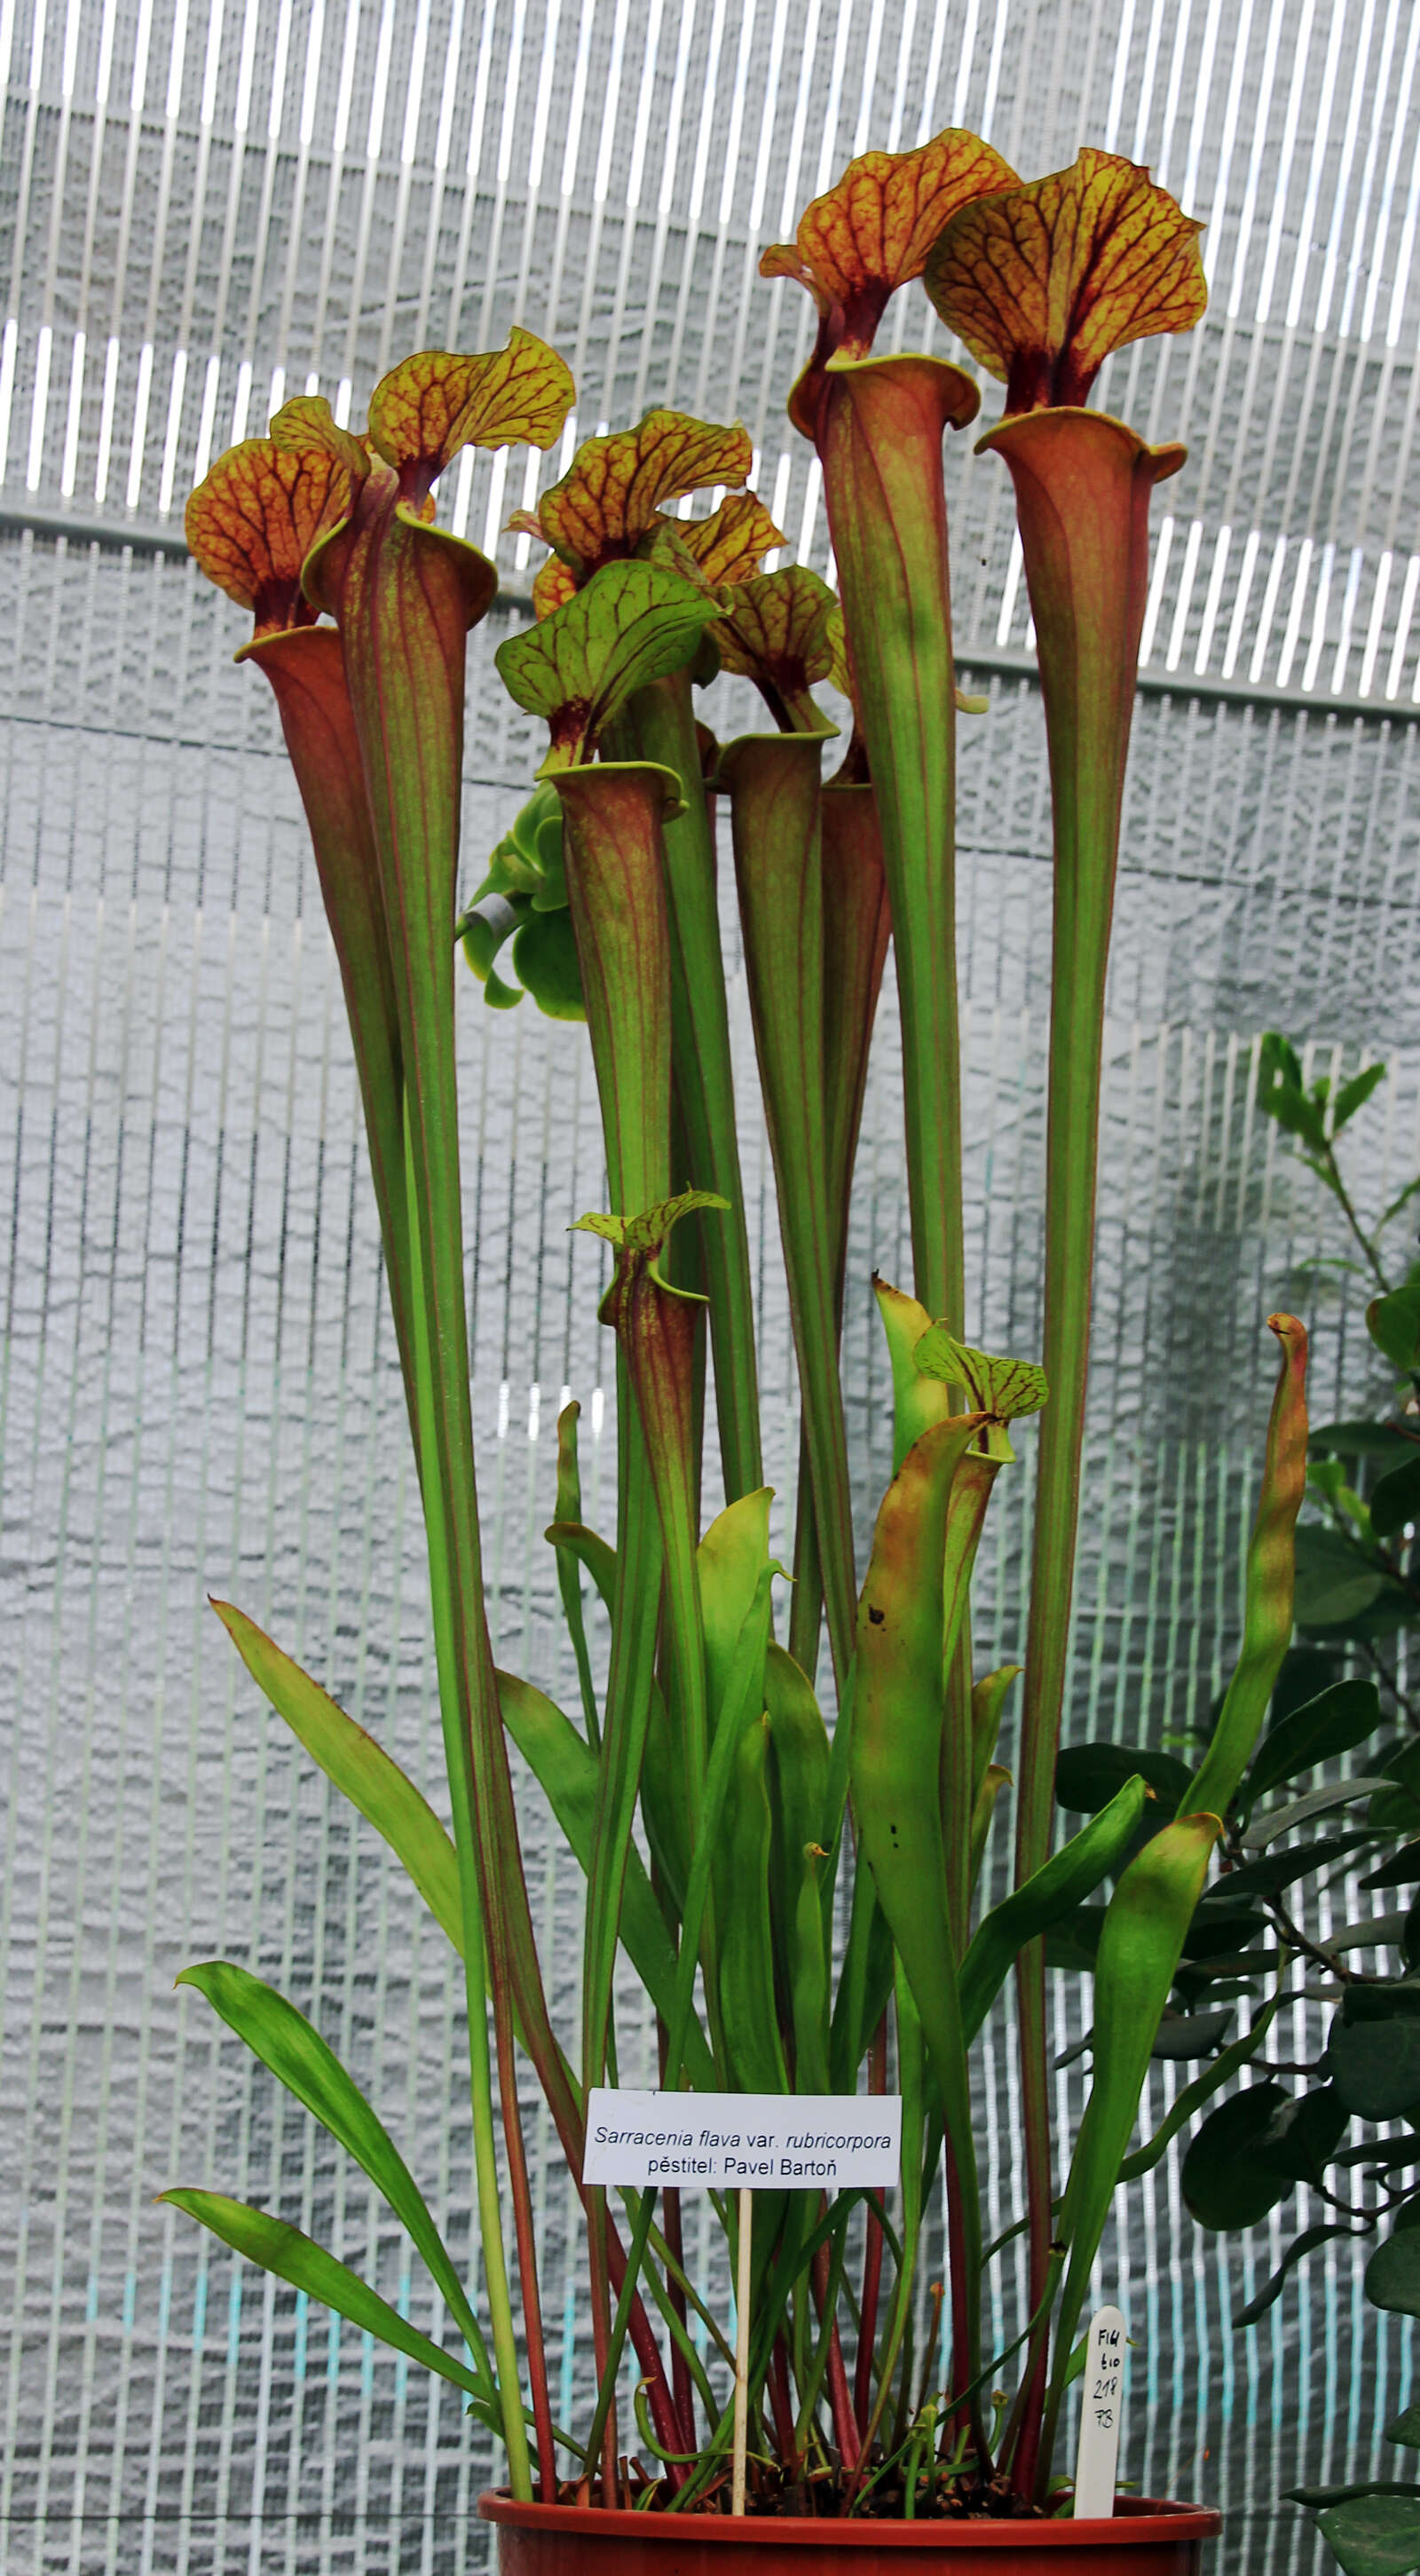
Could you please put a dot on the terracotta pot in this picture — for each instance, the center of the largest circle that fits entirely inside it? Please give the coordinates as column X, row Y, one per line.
column 1146, row 2539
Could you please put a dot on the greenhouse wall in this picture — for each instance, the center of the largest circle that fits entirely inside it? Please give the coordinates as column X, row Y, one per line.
column 205, row 209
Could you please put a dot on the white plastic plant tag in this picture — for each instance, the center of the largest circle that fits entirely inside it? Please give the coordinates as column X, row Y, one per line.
column 1102, row 2388
column 744, row 2141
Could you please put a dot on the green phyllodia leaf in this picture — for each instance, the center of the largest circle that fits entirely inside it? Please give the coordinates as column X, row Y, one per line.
column 300, row 2059
column 1007, row 1388
column 633, row 622
column 307, row 2266
column 359, row 1767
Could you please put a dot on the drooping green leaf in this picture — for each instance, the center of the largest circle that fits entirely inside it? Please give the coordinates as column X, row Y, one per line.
column 1335, row 1721
column 1087, row 1776
column 1396, row 1500
column 632, row 623
column 1271, row 2290
column 1375, row 2535
column 299, row 2058
column 594, row 1553
column 359, row 1767
column 307, row 2266
column 1053, row 1894
column 1405, row 2429
column 569, row 1571
column 1372, row 2053
column 1227, row 2182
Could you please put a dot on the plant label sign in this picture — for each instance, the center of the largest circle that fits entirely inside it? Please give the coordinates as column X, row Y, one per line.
column 744, row 2141
column 1102, row 2390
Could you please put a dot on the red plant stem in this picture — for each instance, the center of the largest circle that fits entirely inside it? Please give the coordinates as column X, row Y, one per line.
column 597, row 2252
column 846, row 2430
column 872, row 2252
column 682, row 2386
column 648, row 2352
column 781, row 2407
column 526, row 2232
column 963, row 2342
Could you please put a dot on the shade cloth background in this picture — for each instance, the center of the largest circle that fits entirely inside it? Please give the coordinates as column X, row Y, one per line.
column 202, row 209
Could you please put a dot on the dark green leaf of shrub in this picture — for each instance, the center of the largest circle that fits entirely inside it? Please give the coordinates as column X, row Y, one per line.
column 1335, row 1721
column 1401, row 1870
column 1376, row 2535
column 1373, row 2053
column 1396, row 1499
column 1305, row 2135
column 1226, row 2181
column 1334, row 1580
column 1360, row 1440
column 1087, row 1776
column 1393, row 2273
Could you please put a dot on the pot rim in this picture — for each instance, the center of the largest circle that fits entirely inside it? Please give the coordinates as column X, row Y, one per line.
column 1184, row 2521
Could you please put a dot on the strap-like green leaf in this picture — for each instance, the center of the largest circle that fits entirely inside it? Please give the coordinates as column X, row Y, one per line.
column 359, row 1767
column 307, row 2266
column 566, row 1766
column 633, row 622
column 297, row 2055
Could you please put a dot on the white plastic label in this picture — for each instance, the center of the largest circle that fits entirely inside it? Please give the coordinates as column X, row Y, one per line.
column 744, row 2141
column 1102, row 2390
